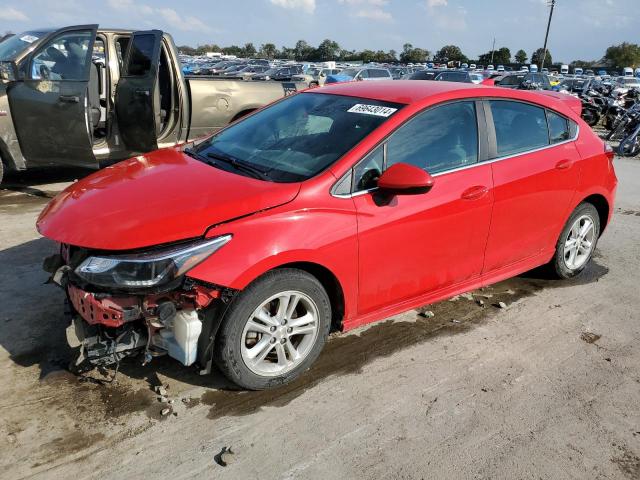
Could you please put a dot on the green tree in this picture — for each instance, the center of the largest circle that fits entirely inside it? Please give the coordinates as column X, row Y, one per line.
column 623, row 55
column 410, row 54
column 234, row 50
column 450, row 53
column 536, row 57
column 249, row 50
column 303, row 51
column 184, row 49
column 500, row 57
column 521, row 56
column 269, row 50
column 328, row 50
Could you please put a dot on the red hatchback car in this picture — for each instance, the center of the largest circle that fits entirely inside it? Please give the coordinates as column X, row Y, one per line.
column 332, row 208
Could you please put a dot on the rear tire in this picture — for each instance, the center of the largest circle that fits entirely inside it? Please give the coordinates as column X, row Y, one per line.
column 274, row 330
column 1, row 171
column 577, row 242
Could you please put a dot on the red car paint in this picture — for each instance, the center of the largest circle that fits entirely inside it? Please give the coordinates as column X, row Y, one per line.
column 474, row 227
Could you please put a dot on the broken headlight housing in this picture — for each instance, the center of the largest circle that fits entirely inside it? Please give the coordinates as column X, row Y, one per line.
column 150, row 269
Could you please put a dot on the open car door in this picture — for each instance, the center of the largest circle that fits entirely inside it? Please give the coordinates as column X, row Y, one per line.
column 137, row 93
column 50, row 105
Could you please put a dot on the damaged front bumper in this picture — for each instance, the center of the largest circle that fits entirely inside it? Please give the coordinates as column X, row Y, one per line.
column 108, row 327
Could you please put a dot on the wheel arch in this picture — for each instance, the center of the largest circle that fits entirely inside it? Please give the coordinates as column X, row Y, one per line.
column 330, row 283
column 601, row 204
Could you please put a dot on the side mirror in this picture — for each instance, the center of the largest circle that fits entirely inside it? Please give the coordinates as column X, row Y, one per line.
column 405, row 179
column 8, row 72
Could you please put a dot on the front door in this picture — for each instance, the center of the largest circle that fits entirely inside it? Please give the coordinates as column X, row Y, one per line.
column 137, row 93
column 414, row 244
column 49, row 106
column 534, row 178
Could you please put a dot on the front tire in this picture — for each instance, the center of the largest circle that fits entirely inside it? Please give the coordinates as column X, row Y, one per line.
column 577, row 242
column 274, row 330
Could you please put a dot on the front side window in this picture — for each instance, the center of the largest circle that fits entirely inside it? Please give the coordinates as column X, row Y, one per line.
column 298, row 137
column 519, row 127
column 65, row 57
column 440, row 139
column 367, row 172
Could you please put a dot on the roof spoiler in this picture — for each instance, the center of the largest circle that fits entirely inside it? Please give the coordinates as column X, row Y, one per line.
column 574, row 103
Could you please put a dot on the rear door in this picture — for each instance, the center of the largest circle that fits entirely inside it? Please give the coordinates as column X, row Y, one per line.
column 49, row 107
column 535, row 179
column 137, row 93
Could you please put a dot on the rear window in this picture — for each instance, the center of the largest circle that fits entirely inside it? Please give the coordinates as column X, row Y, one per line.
column 519, row 127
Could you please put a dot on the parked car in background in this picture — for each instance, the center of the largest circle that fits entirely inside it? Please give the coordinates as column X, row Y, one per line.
column 278, row 73
column 458, row 76
column 398, row 73
column 331, row 209
column 247, row 72
column 424, row 75
column 71, row 109
column 500, row 68
column 624, row 82
column 361, row 73
column 315, row 77
column 525, row 81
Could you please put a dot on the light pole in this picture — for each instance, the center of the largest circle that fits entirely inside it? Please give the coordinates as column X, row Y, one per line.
column 493, row 49
column 546, row 36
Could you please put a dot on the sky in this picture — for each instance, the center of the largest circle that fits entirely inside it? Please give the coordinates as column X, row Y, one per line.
column 580, row 29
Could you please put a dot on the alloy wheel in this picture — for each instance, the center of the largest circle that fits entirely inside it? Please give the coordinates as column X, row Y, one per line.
column 280, row 333
column 579, row 242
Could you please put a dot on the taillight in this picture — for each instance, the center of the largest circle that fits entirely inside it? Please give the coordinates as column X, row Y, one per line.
column 608, row 151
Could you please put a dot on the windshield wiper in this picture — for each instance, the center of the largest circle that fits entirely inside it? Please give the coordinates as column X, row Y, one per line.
column 192, row 153
column 245, row 167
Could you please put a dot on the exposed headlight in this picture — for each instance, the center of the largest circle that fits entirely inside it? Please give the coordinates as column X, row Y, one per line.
column 147, row 269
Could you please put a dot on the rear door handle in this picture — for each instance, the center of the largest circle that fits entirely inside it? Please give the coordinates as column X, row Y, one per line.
column 69, row 98
column 474, row 193
column 563, row 164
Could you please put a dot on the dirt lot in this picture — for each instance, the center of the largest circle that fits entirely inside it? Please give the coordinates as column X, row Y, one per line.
column 548, row 387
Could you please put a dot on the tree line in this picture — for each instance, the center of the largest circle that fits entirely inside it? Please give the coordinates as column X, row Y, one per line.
column 622, row 55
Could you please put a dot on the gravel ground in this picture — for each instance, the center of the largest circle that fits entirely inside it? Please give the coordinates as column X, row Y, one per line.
column 548, row 387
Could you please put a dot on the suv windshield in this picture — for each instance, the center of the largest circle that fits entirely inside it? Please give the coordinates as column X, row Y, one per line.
column 12, row 46
column 298, row 137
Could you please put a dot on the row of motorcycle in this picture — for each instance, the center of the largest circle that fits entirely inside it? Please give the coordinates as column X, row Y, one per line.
column 619, row 112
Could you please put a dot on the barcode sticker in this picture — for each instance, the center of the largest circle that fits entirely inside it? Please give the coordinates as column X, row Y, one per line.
column 377, row 110
column 28, row 38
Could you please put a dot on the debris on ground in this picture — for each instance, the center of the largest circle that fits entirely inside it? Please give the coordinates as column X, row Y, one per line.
column 500, row 305
column 427, row 314
column 162, row 391
column 165, row 411
column 225, row 457
column 480, row 302
column 590, row 337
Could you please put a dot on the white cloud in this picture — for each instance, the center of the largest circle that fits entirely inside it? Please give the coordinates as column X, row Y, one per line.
column 374, row 14
column 437, row 3
column 371, row 9
column 12, row 14
column 171, row 17
column 308, row 6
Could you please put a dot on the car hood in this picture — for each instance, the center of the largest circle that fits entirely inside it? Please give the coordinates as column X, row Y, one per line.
column 152, row 199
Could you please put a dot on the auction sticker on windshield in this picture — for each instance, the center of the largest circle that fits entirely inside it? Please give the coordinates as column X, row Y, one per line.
column 377, row 110
column 29, row 38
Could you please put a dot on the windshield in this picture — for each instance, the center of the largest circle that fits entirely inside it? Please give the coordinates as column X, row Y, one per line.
column 298, row 137
column 12, row 46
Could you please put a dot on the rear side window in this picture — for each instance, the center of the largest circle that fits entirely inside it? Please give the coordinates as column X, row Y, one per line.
column 378, row 73
column 519, row 127
column 440, row 139
column 558, row 128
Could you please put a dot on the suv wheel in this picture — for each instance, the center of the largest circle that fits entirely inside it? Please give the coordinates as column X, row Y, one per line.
column 577, row 242
column 274, row 330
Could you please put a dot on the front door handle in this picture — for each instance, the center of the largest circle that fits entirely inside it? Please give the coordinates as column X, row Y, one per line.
column 563, row 164
column 474, row 193
column 69, row 98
